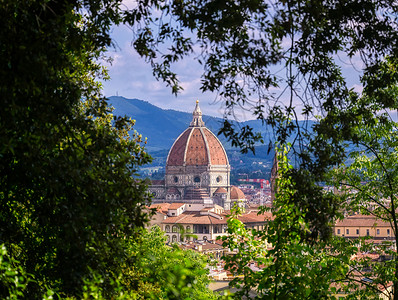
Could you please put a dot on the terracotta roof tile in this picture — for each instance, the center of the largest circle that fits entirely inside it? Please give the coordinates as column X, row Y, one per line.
column 361, row 221
column 197, row 146
column 253, row 217
column 196, row 153
column 177, row 151
column 176, row 205
column 217, row 153
column 161, row 207
column 193, row 218
column 220, row 190
column 236, row 193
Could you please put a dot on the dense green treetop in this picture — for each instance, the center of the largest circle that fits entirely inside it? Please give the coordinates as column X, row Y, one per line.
column 67, row 195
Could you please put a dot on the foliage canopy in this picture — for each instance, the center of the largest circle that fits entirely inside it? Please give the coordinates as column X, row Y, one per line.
column 67, row 195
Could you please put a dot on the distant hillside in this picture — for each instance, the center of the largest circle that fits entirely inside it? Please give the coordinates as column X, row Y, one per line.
column 162, row 127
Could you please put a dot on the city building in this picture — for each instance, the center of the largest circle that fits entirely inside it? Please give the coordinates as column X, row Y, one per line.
column 184, row 222
column 356, row 226
column 197, row 170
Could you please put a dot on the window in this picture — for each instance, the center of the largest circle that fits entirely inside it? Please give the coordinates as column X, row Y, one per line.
column 388, row 232
column 378, row 231
column 338, row 231
column 174, row 239
column 200, row 229
column 217, row 229
column 367, row 232
column 218, row 179
column 188, row 229
column 347, row 231
column 175, row 228
column 175, row 179
column 196, row 179
column 167, row 228
column 357, row 231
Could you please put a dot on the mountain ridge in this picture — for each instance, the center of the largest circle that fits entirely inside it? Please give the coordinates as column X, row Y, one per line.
column 169, row 123
column 163, row 126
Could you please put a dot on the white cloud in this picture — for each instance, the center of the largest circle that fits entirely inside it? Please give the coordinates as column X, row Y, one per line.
column 357, row 88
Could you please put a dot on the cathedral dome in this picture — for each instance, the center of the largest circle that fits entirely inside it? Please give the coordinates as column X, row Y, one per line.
column 197, row 146
column 221, row 190
column 236, row 193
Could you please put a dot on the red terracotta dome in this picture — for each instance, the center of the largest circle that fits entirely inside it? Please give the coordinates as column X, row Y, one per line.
column 237, row 194
column 221, row 190
column 197, row 146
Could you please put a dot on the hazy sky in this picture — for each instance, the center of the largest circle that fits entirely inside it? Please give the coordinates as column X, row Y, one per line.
column 131, row 77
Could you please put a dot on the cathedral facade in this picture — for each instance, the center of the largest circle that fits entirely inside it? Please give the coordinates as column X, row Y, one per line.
column 197, row 170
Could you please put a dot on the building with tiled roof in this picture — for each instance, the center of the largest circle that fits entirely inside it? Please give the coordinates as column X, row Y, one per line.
column 355, row 226
column 184, row 222
column 197, row 170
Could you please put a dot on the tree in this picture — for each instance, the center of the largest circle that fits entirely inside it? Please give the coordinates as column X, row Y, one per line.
column 68, row 195
column 368, row 182
column 290, row 266
column 71, row 205
column 166, row 272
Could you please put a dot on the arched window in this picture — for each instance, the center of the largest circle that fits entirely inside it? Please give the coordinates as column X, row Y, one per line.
column 196, row 179
column 167, row 228
column 188, row 229
column 175, row 228
column 175, row 179
column 174, row 239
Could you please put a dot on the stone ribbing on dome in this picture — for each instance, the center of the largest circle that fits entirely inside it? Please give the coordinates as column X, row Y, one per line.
column 196, row 152
column 197, row 146
column 217, row 153
column 177, row 152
